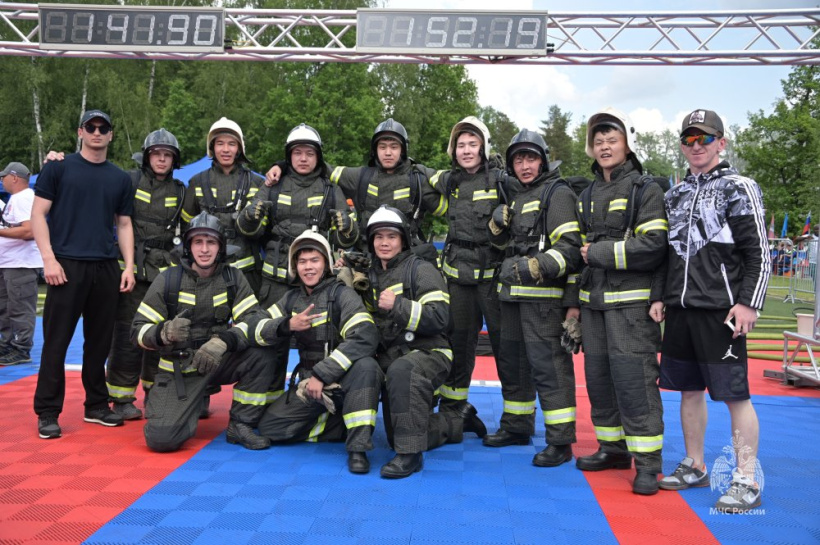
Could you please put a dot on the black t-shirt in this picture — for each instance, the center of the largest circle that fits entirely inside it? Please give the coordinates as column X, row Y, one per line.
column 84, row 197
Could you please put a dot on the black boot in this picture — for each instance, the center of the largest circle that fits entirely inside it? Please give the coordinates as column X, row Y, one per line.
column 503, row 438
column 402, row 465
column 645, row 484
column 604, row 460
column 472, row 423
column 243, row 434
column 205, row 410
column 358, row 463
column 553, row 455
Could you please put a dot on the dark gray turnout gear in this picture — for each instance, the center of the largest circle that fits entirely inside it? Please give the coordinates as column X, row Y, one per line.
column 156, row 221
column 544, row 229
column 469, row 263
column 299, row 203
column 624, row 275
column 176, row 398
column 413, row 352
column 228, row 195
column 338, row 348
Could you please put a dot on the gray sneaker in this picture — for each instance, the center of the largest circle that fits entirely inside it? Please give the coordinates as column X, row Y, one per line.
column 48, row 427
column 685, row 476
column 128, row 411
column 104, row 416
column 743, row 495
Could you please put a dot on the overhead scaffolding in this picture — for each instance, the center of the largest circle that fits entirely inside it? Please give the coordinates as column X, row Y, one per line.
column 668, row 38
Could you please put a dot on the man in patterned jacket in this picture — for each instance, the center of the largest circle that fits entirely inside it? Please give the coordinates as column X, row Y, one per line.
column 719, row 267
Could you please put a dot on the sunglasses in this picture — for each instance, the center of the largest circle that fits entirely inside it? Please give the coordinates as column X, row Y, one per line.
column 90, row 128
column 702, row 139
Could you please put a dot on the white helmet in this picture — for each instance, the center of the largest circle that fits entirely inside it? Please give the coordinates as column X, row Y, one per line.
column 387, row 217
column 313, row 241
column 225, row 125
column 303, row 134
column 613, row 118
column 472, row 125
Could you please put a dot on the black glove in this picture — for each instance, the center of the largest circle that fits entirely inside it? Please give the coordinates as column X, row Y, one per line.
column 356, row 260
column 527, row 270
column 501, row 219
column 178, row 329
column 341, row 221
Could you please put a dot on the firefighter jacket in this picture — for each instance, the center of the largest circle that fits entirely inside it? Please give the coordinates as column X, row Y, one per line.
column 407, row 189
column 229, row 195
column 421, row 313
column 211, row 310
column 468, row 257
column 343, row 333
column 544, row 226
column 625, row 268
column 156, row 223
column 718, row 251
column 298, row 203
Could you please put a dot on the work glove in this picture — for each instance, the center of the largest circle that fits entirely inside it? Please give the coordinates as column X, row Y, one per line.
column 361, row 282
column 331, row 396
column 356, row 260
column 250, row 219
column 500, row 220
column 341, row 221
column 177, row 330
column 207, row 359
column 571, row 338
column 527, row 271
column 345, row 274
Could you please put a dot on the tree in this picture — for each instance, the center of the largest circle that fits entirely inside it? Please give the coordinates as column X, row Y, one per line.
column 555, row 130
column 501, row 127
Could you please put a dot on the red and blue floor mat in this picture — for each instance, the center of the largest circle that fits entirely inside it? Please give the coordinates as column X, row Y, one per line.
column 102, row 486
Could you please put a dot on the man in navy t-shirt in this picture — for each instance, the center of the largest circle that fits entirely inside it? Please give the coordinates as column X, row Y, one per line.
column 84, row 197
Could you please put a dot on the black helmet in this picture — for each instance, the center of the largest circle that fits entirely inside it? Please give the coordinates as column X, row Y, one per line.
column 531, row 141
column 387, row 217
column 204, row 224
column 304, row 135
column 160, row 139
column 392, row 129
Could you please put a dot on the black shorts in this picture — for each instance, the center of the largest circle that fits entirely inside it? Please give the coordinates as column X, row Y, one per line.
column 698, row 352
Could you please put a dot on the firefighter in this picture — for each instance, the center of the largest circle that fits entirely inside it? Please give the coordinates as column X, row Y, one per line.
column 624, row 228
column 224, row 190
column 541, row 238
column 158, row 204
column 411, row 308
column 339, row 381
column 187, row 316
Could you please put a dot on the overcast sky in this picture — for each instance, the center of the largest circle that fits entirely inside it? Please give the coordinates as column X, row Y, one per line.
column 655, row 97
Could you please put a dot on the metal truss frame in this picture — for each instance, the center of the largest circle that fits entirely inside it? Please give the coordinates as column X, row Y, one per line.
column 666, row 38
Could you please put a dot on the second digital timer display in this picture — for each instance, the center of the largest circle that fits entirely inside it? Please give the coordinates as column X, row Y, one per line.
column 446, row 32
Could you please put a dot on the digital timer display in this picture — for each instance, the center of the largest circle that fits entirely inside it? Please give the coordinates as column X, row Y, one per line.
column 519, row 33
column 131, row 28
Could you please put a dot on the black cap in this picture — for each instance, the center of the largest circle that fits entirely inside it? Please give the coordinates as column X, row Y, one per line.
column 705, row 120
column 91, row 114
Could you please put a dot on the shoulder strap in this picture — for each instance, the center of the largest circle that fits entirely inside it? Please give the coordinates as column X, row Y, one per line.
column 365, row 175
column 229, row 276
column 173, row 280
column 417, row 177
column 409, row 282
column 585, row 198
column 331, row 316
column 546, row 197
column 502, row 183
column 634, row 201
column 207, row 193
column 273, row 197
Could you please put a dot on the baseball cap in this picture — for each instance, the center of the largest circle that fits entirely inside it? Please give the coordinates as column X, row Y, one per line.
column 16, row 168
column 705, row 120
column 91, row 114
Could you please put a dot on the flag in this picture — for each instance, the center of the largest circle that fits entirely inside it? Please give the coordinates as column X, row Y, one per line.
column 771, row 228
column 785, row 224
column 807, row 227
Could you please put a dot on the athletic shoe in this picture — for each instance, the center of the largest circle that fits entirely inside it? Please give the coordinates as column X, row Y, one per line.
column 128, row 411
column 686, row 475
column 48, row 427
column 104, row 416
column 14, row 357
column 743, row 495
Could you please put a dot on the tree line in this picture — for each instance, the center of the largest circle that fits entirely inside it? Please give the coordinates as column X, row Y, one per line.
column 42, row 99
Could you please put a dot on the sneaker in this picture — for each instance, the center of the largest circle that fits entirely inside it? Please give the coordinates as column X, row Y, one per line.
column 128, row 411
column 743, row 495
column 104, row 416
column 48, row 427
column 14, row 357
column 686, row 475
